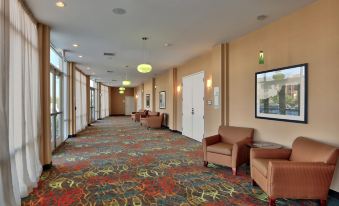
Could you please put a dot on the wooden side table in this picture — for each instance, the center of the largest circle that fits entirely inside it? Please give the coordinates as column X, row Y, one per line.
column 264, row 145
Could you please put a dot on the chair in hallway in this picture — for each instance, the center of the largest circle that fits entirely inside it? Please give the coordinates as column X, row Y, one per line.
column 136, row 116
column 303, row 172
column 149, row 114
column 154, row 121
column 228, row 147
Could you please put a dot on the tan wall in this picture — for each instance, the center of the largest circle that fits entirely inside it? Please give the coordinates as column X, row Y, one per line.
column 210, row 63
column 164, row 82
column 118, row 100
column 310, row 35
column 148, row 89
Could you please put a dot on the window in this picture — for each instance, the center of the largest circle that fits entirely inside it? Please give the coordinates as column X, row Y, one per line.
column 104, row 102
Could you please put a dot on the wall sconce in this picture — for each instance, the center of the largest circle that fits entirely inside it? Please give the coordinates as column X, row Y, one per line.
column 261, row 57
column 179, row 88
column 209, row 83
column 155, row 87
column 136, row 96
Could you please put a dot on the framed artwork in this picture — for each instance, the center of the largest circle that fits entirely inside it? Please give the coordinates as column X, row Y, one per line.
column 148, row 100
column 162, row 100
column 281, row 94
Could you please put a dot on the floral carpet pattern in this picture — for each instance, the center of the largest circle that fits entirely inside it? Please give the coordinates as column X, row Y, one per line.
column 117, row 162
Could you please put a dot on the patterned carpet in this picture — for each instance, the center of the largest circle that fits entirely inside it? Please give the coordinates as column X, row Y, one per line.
column 117, row 162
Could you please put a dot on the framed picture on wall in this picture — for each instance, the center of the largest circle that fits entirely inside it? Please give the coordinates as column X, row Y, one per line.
column 281, row 94
column 162, row 100
column 148, row 100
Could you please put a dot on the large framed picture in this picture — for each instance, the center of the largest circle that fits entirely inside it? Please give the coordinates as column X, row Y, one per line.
column 281, row 94
column 148, row 100
column 162, row 100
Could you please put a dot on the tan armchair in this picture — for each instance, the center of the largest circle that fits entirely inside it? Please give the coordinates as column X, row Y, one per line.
column 228, row 147
column 136, row 116
column 149, row 114
column 305, row 172
column 153, row 121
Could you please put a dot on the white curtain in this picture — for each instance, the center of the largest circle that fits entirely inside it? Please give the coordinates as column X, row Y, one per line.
column 104, row 102
column 80, row 101
column 20, row 167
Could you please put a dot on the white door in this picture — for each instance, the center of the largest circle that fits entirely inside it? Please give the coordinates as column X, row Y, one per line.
column 198, row 107
column 193, row 106
column 129, row 105
column 187, row 105
column 139, row 101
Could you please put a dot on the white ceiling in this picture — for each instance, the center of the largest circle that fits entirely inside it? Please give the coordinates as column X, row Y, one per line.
column 191, row 26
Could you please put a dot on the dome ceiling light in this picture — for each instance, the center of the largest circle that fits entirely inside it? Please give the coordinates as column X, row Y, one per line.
column 144, row 67
column 126, row 82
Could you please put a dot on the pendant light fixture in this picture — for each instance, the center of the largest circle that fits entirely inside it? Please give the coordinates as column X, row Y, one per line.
column 261, row 57
column 144, row 67
column 126, row 82
column 122, row 88
column 121, row 92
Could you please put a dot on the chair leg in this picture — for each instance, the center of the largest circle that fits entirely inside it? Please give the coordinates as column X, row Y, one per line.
column 254, row 183
column 323, row 202
column 234, row 171
column 272, row 202
column 205, row 163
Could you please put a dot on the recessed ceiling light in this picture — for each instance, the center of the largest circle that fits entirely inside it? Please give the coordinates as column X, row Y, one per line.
column 262, row 17
column 119, row 11
column 60, row 4
column 76, row 45
column 88, row 68
column 80, row 56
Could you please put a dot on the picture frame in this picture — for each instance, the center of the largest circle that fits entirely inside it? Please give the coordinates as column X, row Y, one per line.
column 148, row 100
column 162, row 100
column 281, row 94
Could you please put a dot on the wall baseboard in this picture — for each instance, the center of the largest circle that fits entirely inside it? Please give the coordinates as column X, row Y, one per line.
column 72, row 135
column 334, row 194
column 47, row 166
column 176, row 131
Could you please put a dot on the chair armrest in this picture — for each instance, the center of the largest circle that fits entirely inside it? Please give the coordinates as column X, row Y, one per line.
column 211, row 140
column 270, row 153
column 299, row 179
column 240, row 152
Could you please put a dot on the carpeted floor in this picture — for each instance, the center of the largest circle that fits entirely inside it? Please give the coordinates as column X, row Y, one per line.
column 117, row 162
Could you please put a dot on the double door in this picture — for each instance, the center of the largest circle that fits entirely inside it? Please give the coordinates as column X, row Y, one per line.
column 193, row 124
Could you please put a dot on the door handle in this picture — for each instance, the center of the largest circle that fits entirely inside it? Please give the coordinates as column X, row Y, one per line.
column 192, row 111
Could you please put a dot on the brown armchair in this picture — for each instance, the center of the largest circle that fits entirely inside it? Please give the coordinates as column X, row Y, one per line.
column 303, row 172
column 228, row 147
column 137, row 115
column 149, row 114
column 153, row 121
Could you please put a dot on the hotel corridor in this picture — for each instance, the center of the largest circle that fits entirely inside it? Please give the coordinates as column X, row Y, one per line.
column 118, row 162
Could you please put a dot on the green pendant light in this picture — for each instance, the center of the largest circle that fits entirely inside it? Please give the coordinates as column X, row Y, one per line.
column 122, row 89
column 144, row 67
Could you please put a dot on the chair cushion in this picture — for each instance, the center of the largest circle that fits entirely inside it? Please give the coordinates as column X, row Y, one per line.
column 153, row 113
column 220, row 148
column 262, row 164
column 307, row 150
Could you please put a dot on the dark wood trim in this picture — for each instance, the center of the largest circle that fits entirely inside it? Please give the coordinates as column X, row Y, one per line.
column 72, row 135
column 176, row 131
column 47, row 166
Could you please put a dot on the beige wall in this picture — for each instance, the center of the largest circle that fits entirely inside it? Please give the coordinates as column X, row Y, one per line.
column 148, row 89
column 211, row 64
column 310, row 35
column 164, row 82
column 117, row 103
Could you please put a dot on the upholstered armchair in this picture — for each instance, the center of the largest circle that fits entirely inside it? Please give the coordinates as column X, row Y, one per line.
column 137, row 115
column 303, row 172
column 228, row 147
column 153, row 121
column 149, row 114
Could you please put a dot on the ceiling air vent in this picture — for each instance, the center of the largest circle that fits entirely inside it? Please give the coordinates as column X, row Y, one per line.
column 109, row 54
column 110, row 71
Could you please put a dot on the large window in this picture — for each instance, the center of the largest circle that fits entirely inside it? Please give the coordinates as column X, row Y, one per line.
column 104, row 102
column 93, row 101
column 80, row 101
column 58, row 103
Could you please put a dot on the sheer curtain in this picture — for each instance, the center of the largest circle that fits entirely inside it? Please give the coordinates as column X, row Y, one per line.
column 19, row 108
column 104, row 101
column 80, row 101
